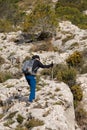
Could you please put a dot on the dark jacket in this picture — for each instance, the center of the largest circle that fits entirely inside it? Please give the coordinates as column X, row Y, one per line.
column 37, row 64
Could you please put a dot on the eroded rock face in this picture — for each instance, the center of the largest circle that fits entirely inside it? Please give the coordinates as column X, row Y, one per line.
column 54, row 101
column 53, row 105
column 82, row 80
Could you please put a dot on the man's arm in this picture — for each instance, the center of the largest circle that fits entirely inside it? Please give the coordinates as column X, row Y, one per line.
column 45, row 66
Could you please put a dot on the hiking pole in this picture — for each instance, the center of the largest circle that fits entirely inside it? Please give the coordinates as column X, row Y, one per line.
column 52, row 73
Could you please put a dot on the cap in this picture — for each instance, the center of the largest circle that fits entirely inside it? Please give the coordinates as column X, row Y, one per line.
column 35, row 56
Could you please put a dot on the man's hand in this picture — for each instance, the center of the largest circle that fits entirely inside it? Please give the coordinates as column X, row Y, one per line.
column 51, row 64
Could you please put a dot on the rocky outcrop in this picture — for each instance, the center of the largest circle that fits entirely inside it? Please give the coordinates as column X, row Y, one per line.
column 53, row 104
column 54, row 100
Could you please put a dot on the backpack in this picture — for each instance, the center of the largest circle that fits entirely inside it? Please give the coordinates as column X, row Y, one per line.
column 27, row 67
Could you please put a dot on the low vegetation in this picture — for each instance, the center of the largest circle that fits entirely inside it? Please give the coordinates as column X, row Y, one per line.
column 81, row 116
column 20, row 118
column 34, row 123
column 5, row 76
column 44, row 46
column 73, row 11
column 11, row 115
column 75, row 60
column 9, row 122
column 77, row 94
column 63, row 73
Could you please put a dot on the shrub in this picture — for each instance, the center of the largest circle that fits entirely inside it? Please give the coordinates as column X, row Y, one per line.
column 81, row 116
column 1, row 116
column 77, row 94
column 41, row 19
column 20, row 118
column 46, row 72
column 67, row 39
column 5, row 76
column 11, row 115
column 45, row 46
column 9, row 122
column 67, row 75
column 5, row 26
column 19, row 127
column 75, row 59
column 62, row 73
column 34, row 123
column 71, row 10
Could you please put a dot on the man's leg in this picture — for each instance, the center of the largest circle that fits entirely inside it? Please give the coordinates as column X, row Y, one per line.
column 32, row 88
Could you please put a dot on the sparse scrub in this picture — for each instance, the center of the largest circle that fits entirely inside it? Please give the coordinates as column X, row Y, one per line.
column 38, row 88
column 46, row 72
column 19, row 127
column 75, row 59
column 58, row 103
column 68, row 76
column 77, row 94
column 45, row 46
column 81, row 116
column 9, row 122
column 5, row 26
column 74, row 45
column 10, row 15
column 20, row 118
column 62, row 73
column 34, row 123
column 1, row 116
column 83, row 68
column 42, row 18
column 5, row 76
column 67, row 39
column 10, row 86
column 57, row 89
column 11, row 115
column 72, row 10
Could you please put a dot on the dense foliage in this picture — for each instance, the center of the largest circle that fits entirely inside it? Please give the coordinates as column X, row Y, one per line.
column 42, row 18
column 72, row 10
column 42, row 15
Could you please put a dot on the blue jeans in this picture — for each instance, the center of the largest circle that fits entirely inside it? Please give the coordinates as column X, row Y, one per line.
column 32, row 83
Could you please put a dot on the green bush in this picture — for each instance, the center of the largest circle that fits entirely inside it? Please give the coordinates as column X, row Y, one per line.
column 79, row 4
column 5, row 76
column 19, row 127
column 42, row 18
column 62, row 73
column 9, row 122
column 73, row 11
column 68, row 76
column 34, row 123
column 81, row 116
column 77, row 94
column 46, row 46
column 75, row 59
column 20, row 118
column 11, row 115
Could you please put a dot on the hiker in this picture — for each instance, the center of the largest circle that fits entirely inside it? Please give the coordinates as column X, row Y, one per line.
column 31, row 77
